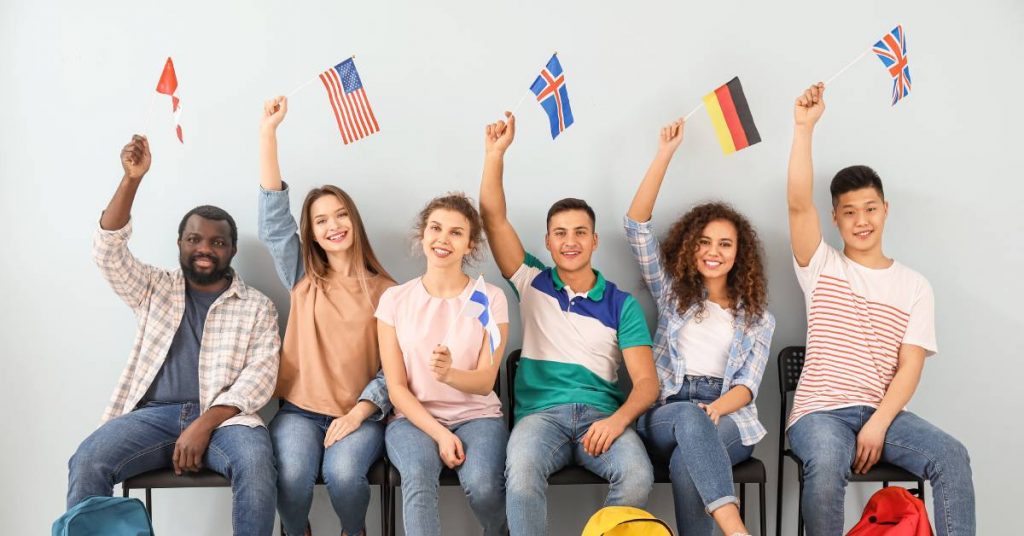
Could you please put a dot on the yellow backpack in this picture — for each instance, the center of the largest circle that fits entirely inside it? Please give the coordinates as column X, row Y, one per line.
column 625, row 521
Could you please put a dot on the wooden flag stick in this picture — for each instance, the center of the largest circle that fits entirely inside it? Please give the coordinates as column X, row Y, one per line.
column 848, row 65
column 693, row 111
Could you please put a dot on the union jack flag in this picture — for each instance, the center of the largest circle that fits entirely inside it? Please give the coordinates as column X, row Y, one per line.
column 552, row 95
column 892, row 50
column 348, row 100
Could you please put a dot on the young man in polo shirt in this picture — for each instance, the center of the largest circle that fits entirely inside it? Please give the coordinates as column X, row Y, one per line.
column 870, row 326
column 577, row 330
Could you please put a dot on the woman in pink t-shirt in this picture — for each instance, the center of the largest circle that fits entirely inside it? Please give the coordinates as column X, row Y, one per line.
column 440, row 372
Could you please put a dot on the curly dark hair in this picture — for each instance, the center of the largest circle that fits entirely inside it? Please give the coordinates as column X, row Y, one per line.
column 746, row 282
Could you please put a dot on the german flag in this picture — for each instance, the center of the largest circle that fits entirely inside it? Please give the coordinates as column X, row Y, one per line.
column 731, row 117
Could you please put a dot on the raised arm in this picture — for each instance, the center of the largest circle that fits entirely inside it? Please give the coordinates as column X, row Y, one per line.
column 277, row 227
column 131, row 280
column 647, row 193
column 505, row 244
column 804, row 225
column 274, row 111
column 135, row 160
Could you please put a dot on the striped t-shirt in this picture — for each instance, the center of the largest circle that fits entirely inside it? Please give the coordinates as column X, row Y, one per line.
column 857, row 319
column 572, row 343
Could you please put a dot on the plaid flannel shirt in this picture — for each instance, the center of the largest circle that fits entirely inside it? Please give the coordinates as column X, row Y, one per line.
column 748, row 353
column 238, row 356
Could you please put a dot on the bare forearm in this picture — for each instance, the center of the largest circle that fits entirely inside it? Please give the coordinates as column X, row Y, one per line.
column 411, row 408
column 641, row 398
column 476, row 382
column 733, row 399
column 363, row 410
column 900, row 391
column 492, row 192
column 215, row 416
column 270, row 168
column 119, row 209
column 647, row 194
column 800, row 189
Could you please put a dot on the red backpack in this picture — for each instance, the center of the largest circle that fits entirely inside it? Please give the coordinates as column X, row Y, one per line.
column 893, row 511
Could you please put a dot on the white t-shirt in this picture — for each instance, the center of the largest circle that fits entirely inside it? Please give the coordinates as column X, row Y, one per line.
column 706, row 343
column 857, row 319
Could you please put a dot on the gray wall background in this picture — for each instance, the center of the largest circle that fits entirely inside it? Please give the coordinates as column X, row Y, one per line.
column 76, row 82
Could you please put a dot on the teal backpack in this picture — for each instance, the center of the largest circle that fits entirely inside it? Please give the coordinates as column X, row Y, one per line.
column 105, row 516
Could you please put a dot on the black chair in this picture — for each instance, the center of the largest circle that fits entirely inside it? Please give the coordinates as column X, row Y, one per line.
column 166, row 479
column 750, row 471
column 791, row 363
column 448, row 476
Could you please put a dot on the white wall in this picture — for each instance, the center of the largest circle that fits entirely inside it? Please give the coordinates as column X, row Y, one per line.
column 75, row 83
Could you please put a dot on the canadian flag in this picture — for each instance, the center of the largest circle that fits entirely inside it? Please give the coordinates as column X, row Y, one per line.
column 168, row 85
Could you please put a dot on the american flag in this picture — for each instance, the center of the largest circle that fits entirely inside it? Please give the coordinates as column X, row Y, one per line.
column 892, row 50
column 552, row 95
column 168, row 85
column 348, row 100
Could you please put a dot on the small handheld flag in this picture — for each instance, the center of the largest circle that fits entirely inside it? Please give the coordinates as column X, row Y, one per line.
column 348, row 100
column 549, row 87
column 168, row 85
column 479, row 306
column 892, row 50
column 731, row 117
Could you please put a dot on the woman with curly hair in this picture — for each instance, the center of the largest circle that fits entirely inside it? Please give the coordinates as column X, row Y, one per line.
column 711, row 346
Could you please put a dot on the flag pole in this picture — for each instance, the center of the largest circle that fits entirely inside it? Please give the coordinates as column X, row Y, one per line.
column 521, row 99
column 306, row 83
column 848, row 65
column 693, row 111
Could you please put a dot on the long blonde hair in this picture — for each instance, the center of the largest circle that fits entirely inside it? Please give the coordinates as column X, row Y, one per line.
column 314, row 258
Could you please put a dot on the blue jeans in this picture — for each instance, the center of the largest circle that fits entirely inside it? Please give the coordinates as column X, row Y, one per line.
column 700, row 455
column 416, row 457
column 826, row 441
column 548, row 440
column 144, row 439
column 298, row 437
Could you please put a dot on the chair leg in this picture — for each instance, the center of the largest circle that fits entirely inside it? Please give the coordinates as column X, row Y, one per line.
column 920, row 486
column 743, row 502
column 800, row 507
column 885, row 483
column 149, row 502
column 124, row 491
column 778, row 497
column 761, row 512
column 392, row 494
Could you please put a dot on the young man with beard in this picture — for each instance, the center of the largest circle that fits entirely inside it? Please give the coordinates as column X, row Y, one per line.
column 870, row 327
column 204, row 362
column 578, row 329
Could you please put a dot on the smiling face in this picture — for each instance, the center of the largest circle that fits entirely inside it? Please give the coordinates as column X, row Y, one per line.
column 331, row 225
column 205, row 250
column 716, row 250
column 571, row 239
column 860, row 217
column 446, row 238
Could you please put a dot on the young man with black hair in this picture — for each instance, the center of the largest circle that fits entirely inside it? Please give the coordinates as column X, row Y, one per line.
column 205, row 361
column 578, row 329
column 870, row 327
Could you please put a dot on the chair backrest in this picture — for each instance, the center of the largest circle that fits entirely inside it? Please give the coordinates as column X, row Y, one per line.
column 791, row 364
column 511, row 364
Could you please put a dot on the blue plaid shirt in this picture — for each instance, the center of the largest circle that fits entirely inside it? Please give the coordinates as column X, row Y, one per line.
column 748, row 354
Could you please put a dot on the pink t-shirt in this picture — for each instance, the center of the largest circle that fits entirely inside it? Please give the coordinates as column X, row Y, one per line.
column 421, row 322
